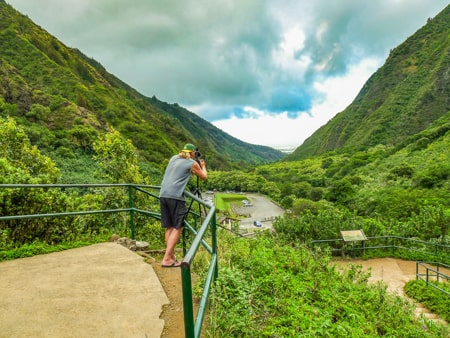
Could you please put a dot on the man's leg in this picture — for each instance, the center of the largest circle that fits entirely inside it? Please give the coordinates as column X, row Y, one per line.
column 168, row 233
column 172, row 236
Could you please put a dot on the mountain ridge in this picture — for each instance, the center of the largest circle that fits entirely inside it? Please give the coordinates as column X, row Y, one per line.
column 402, row 98
column 65, row 99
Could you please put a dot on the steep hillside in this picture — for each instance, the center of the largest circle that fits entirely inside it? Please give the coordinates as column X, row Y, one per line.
column 408, row 93
column 64, row 100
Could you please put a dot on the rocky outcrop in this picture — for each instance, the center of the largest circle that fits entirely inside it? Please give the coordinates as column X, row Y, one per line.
column 131, row 244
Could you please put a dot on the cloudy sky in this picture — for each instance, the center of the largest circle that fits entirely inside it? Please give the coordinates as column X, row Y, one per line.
column 266, row 72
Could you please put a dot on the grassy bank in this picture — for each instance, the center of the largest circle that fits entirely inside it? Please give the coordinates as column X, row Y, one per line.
column 226, row 201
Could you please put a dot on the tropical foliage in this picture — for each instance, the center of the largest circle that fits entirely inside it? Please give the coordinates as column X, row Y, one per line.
column 267, row 288
column 24, row 164
column 432, row 298
column 385, row 191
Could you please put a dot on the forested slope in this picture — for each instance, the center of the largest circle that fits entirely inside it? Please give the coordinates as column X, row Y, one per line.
column 65, row 101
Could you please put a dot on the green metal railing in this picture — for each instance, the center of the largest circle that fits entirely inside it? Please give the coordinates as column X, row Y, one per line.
column 193, row 324
column 130, row 209
column 392, row 243
column 433, row 272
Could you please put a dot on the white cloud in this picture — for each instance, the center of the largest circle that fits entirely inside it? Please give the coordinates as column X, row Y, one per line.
column 281, row 131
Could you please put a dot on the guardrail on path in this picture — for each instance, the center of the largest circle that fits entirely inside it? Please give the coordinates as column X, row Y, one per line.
column 433, row 273
column 393, row 243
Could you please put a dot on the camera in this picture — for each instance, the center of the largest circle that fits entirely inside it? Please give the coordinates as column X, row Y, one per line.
column 198, row 155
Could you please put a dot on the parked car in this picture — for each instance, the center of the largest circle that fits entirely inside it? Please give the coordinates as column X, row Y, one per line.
column 257, row 224
column 247, row 203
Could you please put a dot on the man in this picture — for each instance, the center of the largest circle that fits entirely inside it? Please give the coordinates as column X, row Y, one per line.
column 172, row 202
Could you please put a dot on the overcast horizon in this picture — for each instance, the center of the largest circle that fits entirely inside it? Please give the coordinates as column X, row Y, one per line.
column 268, row 73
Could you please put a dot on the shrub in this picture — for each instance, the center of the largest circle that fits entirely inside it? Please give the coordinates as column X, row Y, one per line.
column 435, row 300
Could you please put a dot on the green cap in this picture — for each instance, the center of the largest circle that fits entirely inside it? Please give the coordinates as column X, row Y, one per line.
column 188, row 147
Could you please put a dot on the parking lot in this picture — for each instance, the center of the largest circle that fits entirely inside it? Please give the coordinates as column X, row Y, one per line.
column 262, row 209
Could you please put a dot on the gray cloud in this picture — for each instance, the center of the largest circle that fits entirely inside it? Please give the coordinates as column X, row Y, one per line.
column 220, row 55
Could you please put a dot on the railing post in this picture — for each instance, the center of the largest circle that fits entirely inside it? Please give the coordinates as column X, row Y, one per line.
column 130, row 205
column 186, row 282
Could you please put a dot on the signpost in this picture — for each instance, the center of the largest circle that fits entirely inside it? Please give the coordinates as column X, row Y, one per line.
column 351, row 236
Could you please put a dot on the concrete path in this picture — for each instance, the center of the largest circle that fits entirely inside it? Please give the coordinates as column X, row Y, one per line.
column 103, row 290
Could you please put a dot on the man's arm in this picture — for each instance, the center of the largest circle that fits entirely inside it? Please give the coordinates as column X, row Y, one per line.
column 200, row 170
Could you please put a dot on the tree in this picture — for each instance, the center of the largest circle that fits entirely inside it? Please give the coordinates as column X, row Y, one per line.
column 302, row 190
column 287, row 201
column 25, row 162
column 340, row 191
column 118, row 158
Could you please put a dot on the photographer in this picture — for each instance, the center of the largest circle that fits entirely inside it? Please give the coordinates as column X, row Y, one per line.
column 172, row 202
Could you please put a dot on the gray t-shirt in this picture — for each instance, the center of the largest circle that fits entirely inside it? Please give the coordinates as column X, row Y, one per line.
column 176, row 177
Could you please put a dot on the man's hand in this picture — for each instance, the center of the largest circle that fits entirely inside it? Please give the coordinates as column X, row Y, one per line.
column 199, row 169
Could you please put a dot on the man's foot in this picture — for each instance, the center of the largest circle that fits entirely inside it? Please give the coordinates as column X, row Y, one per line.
column 175, row 264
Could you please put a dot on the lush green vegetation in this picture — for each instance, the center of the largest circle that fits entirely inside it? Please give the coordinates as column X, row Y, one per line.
column 8, row 252
column 432, row 298
column 269, row 288
column 23, row 163
column 388, row 184
column 224, row 202
column 404, row 192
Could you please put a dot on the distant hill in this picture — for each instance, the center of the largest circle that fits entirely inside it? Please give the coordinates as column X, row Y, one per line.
column 404, row 97
column 64, row 100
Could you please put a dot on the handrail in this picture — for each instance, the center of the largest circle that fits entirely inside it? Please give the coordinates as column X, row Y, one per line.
column 431, row 272
column 192, row 327
column 130, row 209
column 391, row 242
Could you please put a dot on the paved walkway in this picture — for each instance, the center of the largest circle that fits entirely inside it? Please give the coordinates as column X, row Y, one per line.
column 102, row 290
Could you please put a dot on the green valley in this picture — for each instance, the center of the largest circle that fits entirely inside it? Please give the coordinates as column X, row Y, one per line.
column 381, row 165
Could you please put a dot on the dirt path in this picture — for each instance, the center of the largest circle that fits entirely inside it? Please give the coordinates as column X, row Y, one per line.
column 395, row 273
column 172, row 313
